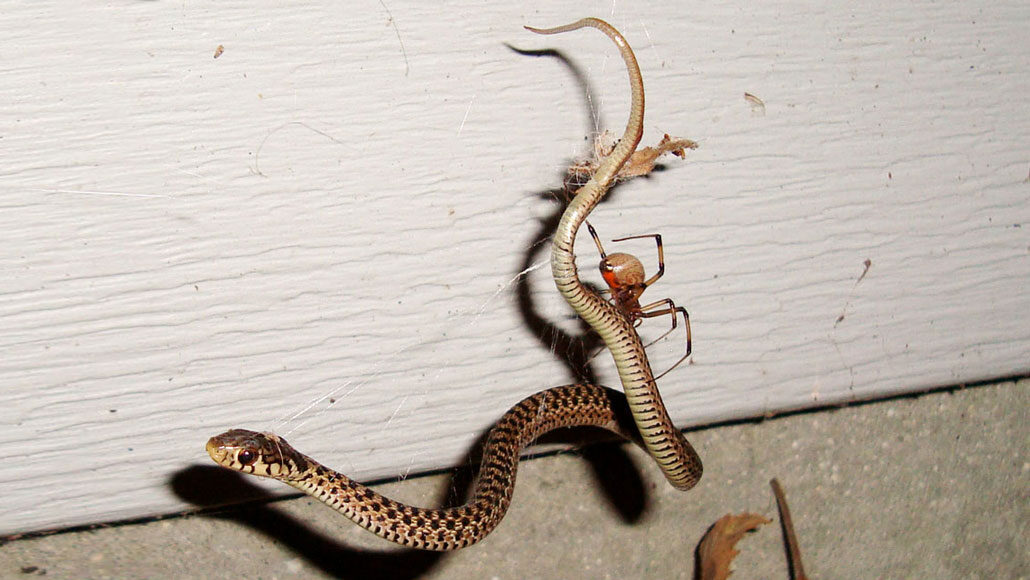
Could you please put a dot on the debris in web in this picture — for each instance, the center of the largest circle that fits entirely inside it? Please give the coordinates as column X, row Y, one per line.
column 642, row 162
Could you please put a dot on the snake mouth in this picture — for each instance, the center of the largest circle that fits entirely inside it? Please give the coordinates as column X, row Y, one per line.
column 216, row 451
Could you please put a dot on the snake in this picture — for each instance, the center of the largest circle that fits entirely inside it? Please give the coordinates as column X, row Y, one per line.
column 451, row 528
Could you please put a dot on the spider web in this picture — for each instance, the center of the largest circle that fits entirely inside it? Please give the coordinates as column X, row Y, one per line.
column 317, row 406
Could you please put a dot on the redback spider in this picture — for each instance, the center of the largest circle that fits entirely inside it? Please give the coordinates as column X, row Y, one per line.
column 624, row 275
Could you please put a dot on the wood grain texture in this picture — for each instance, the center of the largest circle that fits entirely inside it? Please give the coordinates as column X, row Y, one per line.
column 318, row 231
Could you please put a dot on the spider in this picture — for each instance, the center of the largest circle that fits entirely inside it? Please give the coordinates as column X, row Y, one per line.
column 624, row 275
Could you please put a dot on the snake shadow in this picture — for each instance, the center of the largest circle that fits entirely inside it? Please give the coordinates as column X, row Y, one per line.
column 612, row 467
column 212, row 488
column 573, row 350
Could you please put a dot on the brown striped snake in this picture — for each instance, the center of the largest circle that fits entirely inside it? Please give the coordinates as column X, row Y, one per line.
column 268, row 455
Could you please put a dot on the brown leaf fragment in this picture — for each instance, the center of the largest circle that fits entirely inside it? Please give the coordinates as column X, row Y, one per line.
column 642, row 162
column 716, row 550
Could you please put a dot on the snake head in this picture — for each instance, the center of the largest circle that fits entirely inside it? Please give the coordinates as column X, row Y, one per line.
column 264, row 454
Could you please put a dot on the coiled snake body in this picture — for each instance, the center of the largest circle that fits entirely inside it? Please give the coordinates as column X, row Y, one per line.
column 268, row 455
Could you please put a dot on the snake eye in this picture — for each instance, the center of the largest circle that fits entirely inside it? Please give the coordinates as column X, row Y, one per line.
column 246, row 457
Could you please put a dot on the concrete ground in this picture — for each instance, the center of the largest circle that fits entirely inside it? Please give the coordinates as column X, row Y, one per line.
column 935, row 486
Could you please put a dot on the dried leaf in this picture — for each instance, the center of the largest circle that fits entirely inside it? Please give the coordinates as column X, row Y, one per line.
column 716, row 550
column 640, row 163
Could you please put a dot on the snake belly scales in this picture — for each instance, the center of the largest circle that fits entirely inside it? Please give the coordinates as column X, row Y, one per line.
column 268, row 455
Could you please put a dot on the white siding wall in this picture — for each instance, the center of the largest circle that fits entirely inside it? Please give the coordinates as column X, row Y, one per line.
column 317, row 232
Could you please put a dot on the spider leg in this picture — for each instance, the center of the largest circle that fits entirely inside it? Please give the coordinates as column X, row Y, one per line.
column 625, row 297
column 597, row 241
column 672, row 310
column 661, row 254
